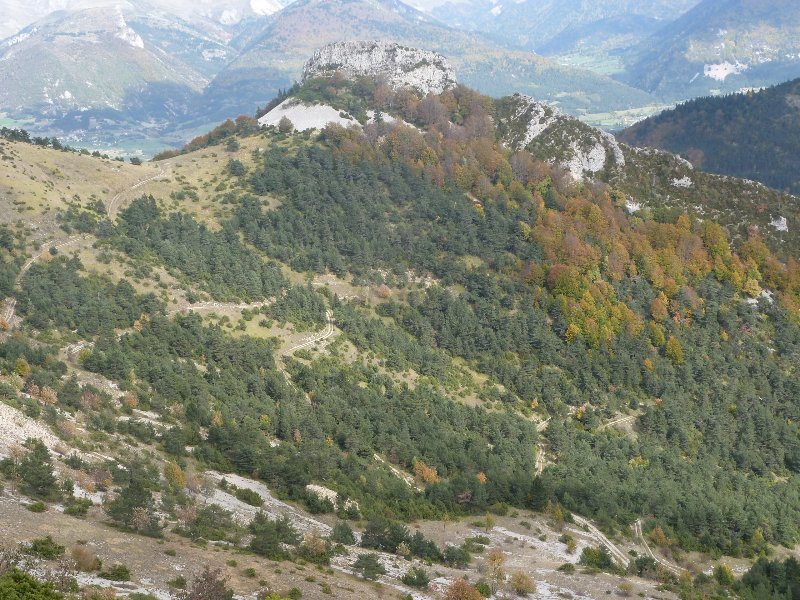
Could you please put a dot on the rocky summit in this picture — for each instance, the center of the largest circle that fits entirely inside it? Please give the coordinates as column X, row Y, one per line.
column 401, row 66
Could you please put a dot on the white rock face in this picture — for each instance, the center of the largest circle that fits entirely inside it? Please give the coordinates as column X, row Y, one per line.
column 780, row 224
column 328, row 494
column 126, row 34
column 400, row 66
column 582, row 150
column 316, row 116
column 633, row 206
column 304, row 116
column 683, row 182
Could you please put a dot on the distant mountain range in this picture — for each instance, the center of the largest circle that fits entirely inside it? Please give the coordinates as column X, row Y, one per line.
column 179, row 74
column 18, row 14
column 551, row 25
column 719, row 46
column 752, row 135
column 137, row 74
column 274, row 50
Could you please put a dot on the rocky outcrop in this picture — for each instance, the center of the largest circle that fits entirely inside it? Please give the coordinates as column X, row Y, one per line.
column 400, row 66
column 558, row 138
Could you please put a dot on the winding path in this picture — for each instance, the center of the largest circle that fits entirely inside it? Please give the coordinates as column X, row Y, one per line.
column 113, row 204
column 212, row 305
column 672, row 568
column 619, row 421
column 616, row 553
column 318, row 337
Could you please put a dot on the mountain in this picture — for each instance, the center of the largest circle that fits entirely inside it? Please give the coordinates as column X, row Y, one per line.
column 645, row 179
column 398, row 66
column 18, row 14
column 403, row 343
column 719, row 46
column 102, row 74
column 754, row 135
column 181, row 70
column 274, row 52
column 659, row 180
column 538, row 25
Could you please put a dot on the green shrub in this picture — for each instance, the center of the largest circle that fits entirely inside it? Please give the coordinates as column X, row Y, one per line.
column 369, row 566
column 567, row 568
column 416, row 577
column 343, row 534
column 15, row 584
column 118, row 572
column 37, row 507
column 248, row 496
column 45, row 548
column 484, row 589
column 77, row 507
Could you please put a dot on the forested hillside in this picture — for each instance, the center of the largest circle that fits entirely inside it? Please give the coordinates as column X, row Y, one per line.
column 423, row 321
column 755, row 135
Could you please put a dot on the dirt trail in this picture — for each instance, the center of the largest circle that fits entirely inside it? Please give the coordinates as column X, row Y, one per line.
column 212, row 305
column 617, row 553
column 323, row 335
column 114, row 203
column 619, row 421
column 672, row 568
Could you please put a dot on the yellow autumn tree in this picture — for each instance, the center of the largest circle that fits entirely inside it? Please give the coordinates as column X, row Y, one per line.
column 674, row 350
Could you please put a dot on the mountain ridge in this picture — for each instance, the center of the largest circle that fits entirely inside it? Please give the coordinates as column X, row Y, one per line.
column 753, row 135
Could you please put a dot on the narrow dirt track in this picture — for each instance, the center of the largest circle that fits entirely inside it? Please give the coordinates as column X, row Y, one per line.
column 672, row 568
column 114, row 203
column 616, row 553
column 318, row 337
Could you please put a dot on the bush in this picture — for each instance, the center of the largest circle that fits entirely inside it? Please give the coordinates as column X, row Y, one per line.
column 16, row 584
column 209, row 585
column 598, row 558
column 342, row 534
column 37, row 507
column 45, row 548
column 85, row 560
column 456, row 557
column 522, row 584
column 567, row 568
column 212, row 522
column 248, row 496
column 77, row 507
column 118, row 572
column 269, row 536
column 484, row 588
column 416, row 577
column 369, row 566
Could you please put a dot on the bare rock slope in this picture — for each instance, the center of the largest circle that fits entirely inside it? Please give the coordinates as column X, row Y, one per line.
column 401, row 66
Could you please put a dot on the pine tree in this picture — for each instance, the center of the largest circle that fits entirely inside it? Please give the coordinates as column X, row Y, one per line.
column 36, row 471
